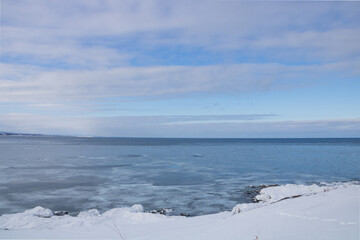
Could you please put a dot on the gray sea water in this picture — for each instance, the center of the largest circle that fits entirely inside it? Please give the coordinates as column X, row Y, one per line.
column 193, row 176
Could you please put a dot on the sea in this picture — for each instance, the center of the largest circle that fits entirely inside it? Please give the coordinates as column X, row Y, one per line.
column 190, row 176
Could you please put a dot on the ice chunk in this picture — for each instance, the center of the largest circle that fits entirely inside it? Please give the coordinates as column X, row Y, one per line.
column 39, row 212
column 90, row 213
column 244, row 207
column 137, row 208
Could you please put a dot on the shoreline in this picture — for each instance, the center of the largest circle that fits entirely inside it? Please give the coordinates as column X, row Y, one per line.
column 331, row 210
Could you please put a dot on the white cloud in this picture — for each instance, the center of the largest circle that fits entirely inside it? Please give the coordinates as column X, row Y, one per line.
column 77, row 33
column 332, row 44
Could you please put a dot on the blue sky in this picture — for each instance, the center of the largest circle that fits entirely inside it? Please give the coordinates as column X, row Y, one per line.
column 181, row 68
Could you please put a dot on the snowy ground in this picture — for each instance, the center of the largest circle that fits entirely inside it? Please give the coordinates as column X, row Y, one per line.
column 284, row 212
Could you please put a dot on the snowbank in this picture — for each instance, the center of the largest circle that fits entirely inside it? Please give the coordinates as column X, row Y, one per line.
column 328, row 211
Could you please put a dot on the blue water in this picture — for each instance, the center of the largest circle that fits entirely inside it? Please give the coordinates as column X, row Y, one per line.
column 193, row 176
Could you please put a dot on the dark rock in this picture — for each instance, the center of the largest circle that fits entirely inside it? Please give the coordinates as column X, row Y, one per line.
column 184, row 214
column 291, row 197
column 163, row 211
column 61, row 213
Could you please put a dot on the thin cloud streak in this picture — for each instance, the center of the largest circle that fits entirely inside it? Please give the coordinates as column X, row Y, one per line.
column 36, row 85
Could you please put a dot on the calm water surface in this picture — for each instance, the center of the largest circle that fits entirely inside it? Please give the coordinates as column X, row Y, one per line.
column 194, row 176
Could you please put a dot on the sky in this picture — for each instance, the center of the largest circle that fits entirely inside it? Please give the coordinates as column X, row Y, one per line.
column 211, row 68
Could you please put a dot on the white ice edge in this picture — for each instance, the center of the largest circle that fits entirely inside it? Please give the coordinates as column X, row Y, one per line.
column 329, row 211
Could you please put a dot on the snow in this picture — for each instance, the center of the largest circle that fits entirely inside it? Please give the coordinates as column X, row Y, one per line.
column 39, row 212
column 89, row 214
column 328, row 211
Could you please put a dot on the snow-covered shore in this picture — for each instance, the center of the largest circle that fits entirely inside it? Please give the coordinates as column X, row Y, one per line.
column 283, row 212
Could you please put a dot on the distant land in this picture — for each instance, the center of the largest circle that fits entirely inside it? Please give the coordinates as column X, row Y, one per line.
column 20, row 134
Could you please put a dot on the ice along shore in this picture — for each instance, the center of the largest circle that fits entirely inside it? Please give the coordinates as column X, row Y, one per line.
column 329, row 211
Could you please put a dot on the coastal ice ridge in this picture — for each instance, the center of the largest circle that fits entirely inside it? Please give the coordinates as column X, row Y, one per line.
column 43, row 218
column 275, row 194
